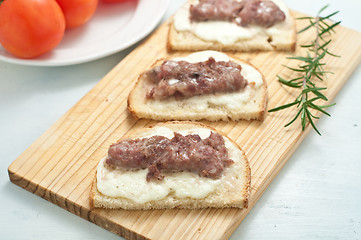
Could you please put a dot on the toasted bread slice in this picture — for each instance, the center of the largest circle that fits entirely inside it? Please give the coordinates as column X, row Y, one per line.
column 248, row 103
column 225, row 36
column 176, row 190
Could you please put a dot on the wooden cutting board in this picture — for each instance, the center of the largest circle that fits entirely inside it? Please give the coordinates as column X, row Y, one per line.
column 60, row 165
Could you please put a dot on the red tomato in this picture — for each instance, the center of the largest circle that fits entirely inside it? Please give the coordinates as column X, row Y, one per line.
column 29, row 28
column 77, row 12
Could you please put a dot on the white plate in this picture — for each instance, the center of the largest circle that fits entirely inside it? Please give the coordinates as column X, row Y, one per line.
column 114, row 27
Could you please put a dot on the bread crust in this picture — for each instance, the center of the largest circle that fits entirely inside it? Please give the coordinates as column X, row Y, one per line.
column 223, row 198
column 185, row 109
column 187, row 41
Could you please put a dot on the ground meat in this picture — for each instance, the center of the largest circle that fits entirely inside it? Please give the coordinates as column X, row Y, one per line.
column 183, row 79
column 225, row 10
column 207, row 157
column 259, row 12
column 262, row 13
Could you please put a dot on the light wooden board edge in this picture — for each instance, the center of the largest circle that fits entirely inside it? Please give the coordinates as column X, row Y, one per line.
column 99, row 218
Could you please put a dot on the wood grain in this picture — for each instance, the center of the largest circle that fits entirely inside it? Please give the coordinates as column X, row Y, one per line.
column 60, row 165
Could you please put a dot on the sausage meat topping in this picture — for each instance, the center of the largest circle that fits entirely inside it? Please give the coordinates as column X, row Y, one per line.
column 259, row 12
column 206, row 157
column 183, row 79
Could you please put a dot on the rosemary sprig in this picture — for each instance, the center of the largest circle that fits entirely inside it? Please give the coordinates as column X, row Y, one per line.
column 310, row 70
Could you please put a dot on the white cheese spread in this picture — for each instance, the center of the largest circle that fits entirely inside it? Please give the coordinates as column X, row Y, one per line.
column 132, row 185
column 228, row 32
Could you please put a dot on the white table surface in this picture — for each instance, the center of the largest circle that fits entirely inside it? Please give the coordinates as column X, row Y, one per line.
column 317, row 195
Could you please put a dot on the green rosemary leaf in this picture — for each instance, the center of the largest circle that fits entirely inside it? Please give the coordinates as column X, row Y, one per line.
column 313, row 23
column 324, row 25
column 323, row 9
column 304, row 29
column 319, row 76
column 313, row 116
column 323, row 28
column 313, row 99
column 316, row 62
column 319, row 109
column 296, row 69
column 291, row 83
column 304, row 59
column 327, row 106
column 320, row 95
column 331, row 54
column 322, row 47
column 306, row 66
column 320, row 56
column 303, row 117
column 327, row 30
column 307, row 46
column 283, row 106
column 294, row 119
column 311, row 122
column 299, row 98
column 323, row 72
column 309, row 84
column 294, row 79
column 329, row 16
column 303, row 18
column 307, row 90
